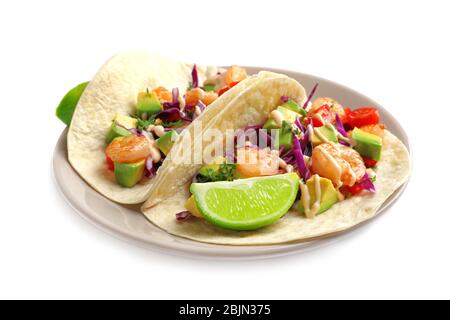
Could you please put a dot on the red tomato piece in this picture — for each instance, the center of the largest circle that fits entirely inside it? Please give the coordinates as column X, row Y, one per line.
column 370, row 163
column 362, row 117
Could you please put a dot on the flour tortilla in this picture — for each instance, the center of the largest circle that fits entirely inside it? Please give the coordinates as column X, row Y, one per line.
column 392, row 171
column 114, row 90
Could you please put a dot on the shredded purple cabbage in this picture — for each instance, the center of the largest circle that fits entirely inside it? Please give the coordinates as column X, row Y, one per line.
column 311, row 95
column 175, row 103
column 194, row 77
column 340, row 128
column 299, row 124
column 366, row 183
column 183, row 216
column 285, row 99
column 172, row 115
column 150, row 169
column 301, row 165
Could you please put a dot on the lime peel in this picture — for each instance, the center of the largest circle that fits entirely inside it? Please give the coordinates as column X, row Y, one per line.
column 246, row 204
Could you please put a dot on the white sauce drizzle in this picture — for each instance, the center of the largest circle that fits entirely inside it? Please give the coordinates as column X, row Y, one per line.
column 310, row 132
column 182, row 102
column 277, row 116
column 311, row 211
column 197, row 111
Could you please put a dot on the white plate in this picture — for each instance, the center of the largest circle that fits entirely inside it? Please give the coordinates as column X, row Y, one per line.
column 126, row 222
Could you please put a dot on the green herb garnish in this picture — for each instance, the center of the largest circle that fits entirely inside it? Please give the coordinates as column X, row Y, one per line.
column 209, row 87
column 225, row 172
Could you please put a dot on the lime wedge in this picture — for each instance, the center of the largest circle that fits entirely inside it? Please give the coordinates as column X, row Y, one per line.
column 246, row 204
column 68, row 104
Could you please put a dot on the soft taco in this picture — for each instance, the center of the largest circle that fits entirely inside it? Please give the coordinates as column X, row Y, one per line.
column 299, row 168
column 133, row 112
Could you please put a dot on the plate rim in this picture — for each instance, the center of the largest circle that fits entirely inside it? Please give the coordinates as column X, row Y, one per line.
column 192, row 248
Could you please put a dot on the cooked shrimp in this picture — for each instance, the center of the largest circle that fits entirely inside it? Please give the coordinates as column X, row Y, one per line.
column 335, row 106
column 235, row 74
column 253, row 162
column 209, row 97
column 340, row 164
column 376, row 129
column 163, row 94
column 128, row 149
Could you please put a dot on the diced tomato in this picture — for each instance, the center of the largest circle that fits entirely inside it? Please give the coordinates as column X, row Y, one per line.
column 109, row 163
column 361, row 117
column 223, row 90
column 355, row 189
column 369, row 162
column 234, row 83
column 326, row 114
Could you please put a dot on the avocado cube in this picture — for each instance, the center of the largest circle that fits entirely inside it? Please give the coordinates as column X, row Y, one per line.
column 119, row 127
column 288, row 115
column 327, row 132
column 116, row 131
column 166, row 141
column 148, row 103
column 270, row 124
column 368, row 145
column 328, row 194
column 284, row 136
column 129, row 174
column 214, row 165
column 294, row 106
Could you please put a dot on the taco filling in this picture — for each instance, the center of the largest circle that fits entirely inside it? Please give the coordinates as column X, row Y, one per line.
column 305, row 157
column 138, row 143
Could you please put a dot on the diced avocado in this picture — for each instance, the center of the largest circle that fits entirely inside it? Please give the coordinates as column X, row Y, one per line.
column 119, row 127
column 209, row 87
column 270, row 124
column 284, row 136
column 327, row 132
column 368, row 145
column 294, row 106
column 116, row 131
column 166, row 141
column 287, row 115
column 125, row 121
column 128, row 174
column 69, row 102
column 148, row 103
column 191, row 206
column 329, row 195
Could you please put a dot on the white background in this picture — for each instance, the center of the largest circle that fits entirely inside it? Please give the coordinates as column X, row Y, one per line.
column 396, row 52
